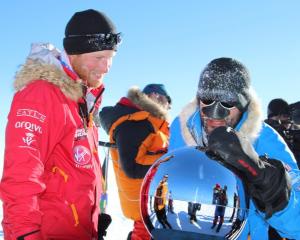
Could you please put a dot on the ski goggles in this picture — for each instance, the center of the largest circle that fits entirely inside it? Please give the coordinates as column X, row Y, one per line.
column 78, row 44
column 103, row 38
column 216, row 109
column 226, row 105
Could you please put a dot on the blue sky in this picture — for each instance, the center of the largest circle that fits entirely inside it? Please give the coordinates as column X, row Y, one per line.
column 166, row 41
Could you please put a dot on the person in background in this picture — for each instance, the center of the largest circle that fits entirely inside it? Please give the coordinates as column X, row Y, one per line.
column 138, row 125
column 226, row 118
column 279, row 119
column 160, row 202
column 294, row 131
column 278, row 116
column 51, row 181
column 235, row 205
column 221, row 203
column 192, row 211
column 216, row 191
column 170, row 203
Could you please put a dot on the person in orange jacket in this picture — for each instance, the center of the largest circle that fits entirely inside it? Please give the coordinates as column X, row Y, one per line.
column 160, row 202
column 51, row 182
column 138, row 125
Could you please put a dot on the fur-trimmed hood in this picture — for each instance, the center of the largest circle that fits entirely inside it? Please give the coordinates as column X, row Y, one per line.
column 147, row 104
column 135, row 101
column 43, row 64
column 249, row 125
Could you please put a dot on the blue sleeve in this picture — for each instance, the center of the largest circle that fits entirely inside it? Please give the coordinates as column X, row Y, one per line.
column 176, row 139
column 287, row 221
column 272, row 144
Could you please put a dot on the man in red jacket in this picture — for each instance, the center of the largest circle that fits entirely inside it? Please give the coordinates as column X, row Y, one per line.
column 51, row 182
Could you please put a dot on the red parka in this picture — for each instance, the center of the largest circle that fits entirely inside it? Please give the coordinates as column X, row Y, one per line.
column 51, row 182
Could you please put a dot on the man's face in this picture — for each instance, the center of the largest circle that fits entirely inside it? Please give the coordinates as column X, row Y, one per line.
column 230, row 120
column 283, row 120
column 92, row 67
column 161, row 100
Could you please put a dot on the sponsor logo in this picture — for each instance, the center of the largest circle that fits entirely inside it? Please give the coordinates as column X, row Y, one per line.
column 80, row 133
column 28, row 139
column 32, row 127
column 82, row 155
column 31, row 113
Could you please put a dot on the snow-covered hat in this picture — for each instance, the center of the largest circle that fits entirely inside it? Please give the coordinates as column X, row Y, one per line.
column 225, row 80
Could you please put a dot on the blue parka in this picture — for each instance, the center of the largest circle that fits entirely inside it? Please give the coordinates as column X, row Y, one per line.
column 186, row 130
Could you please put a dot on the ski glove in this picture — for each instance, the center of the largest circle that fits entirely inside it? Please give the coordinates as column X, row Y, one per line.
column 104, row 221
column 265, row 179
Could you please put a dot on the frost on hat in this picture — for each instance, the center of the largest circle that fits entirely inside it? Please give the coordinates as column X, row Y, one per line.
column 90, row 31
column 225, row 80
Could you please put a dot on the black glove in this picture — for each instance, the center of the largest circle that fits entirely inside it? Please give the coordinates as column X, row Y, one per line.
column 104, row 221
column 266, row 179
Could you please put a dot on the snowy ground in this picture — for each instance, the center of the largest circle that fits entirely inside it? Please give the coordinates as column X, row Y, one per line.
column 179, row 220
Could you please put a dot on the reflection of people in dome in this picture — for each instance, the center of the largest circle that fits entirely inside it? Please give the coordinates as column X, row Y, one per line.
column 160, row 201
column 221, row 201
column 235, row 204
column 216, row 190
column 170, row 203
column 192, row 209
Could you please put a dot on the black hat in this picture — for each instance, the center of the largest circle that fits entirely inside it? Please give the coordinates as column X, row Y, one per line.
column 277, row 107
column 225, row 80
column 157, row 88
column 294, row 110
column 90, row 31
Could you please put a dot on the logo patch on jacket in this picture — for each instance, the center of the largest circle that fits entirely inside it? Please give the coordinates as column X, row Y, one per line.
column 82, row 156
column 80, row 133
column 31, row 113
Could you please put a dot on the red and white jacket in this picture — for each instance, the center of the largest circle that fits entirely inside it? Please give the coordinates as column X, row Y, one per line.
column 51, row 182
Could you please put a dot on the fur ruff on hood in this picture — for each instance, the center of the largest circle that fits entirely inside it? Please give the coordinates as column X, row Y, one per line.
column 35, row 70
column 250, row 127
column 147, row 104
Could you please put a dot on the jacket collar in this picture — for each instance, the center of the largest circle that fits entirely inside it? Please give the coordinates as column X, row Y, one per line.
column 43, row 63
column 143, row 102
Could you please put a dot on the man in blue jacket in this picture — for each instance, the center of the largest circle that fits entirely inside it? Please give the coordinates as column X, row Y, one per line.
column 226, row 118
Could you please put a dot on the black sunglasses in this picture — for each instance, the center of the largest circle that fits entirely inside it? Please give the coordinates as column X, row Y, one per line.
column 227, row 105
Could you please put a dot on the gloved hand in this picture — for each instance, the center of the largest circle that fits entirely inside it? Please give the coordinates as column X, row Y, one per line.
column 266, row 179
column 104, row 221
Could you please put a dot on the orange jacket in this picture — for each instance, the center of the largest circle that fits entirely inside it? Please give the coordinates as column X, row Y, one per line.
column 139, row 128
column 160, row 199
column 149, row 151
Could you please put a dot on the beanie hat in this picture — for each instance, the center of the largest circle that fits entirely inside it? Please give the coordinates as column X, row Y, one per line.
column 225, row 80
column 90, row 31
column 157, row 88
column 294, row 110
column 277, row 107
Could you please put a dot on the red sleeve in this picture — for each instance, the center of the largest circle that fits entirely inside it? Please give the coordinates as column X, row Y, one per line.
column 27, row 145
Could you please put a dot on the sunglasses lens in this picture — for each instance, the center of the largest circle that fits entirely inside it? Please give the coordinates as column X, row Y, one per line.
column 207, row 102
column 227, row 105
